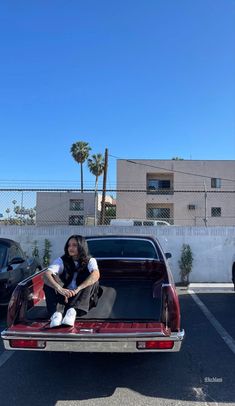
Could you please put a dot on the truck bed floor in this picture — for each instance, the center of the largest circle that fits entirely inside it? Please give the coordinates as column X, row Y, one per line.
column 119, row 301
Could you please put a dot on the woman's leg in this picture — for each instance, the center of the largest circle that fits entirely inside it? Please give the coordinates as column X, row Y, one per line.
column 82, row 301
column 52, row 299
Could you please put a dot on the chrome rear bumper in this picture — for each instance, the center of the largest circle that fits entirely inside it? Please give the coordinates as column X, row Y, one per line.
column 126, row 343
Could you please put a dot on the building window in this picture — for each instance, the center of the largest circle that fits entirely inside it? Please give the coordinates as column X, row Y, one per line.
column 191, row 206
column 76, row 204
column 158, row 213
column 158, row 185
column 216, row 212
column 76, row 220
column 216, row 182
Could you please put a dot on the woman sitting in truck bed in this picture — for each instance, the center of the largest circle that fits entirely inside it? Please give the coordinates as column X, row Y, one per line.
column 71, row 280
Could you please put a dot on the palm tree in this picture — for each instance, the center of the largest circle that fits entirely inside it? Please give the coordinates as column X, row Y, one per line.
column 32, row 214
column 96, row 166
column 14, row 203
column 80, row 152
column 8, row 212
column 17, row 209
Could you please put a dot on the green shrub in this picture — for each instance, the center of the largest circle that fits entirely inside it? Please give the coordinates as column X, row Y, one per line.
column 47, row 253
column 185, row 263
column 35, row 251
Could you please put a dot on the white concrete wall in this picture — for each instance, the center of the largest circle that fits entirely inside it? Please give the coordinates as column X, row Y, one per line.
column 213, row 247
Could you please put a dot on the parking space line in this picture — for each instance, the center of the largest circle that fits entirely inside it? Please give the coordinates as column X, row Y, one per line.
column 219, row 328
column 4, row 357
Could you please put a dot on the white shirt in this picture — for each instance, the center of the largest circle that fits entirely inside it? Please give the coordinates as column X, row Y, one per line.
column 57, row 268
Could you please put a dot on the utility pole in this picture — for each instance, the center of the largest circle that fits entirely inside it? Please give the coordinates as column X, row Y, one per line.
column 102, row 216
column 205, row 195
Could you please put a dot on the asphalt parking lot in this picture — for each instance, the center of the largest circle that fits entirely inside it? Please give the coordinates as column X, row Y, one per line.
column 202, row 373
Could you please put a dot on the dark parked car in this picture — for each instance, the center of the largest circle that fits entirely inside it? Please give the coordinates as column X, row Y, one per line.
column 14, row 267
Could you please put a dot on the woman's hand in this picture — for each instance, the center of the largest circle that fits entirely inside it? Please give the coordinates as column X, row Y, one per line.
column 67, row 293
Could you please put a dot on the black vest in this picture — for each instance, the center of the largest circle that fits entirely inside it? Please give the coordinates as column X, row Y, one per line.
column 70, row 268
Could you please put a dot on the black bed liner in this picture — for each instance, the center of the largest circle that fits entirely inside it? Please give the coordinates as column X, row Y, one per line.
column 124, row 300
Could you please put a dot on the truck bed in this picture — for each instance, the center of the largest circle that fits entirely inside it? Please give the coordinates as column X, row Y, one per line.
column 124, row 300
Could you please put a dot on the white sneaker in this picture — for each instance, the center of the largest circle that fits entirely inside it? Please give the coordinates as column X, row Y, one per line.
column 70, row 317
column 56, row 319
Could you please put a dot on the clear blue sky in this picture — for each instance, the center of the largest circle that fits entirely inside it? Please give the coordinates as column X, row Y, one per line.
column 147, row 79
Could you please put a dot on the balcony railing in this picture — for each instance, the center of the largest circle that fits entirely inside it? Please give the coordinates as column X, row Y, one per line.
column 153, row 191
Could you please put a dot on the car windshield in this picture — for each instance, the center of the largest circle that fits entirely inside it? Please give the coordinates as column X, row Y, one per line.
column 116, row 248
column 3, row 251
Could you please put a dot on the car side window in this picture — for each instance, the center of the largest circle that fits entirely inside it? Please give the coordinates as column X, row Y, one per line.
column 11, row 253
column 15, row 252
column 20, row 253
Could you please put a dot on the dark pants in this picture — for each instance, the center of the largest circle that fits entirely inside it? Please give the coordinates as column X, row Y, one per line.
column 82, row 302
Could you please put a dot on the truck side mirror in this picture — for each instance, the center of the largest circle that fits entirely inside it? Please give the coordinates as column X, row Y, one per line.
column 168, row 255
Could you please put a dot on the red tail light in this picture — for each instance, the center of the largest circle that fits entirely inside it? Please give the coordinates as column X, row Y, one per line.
column 17, row 343
column 155, row 345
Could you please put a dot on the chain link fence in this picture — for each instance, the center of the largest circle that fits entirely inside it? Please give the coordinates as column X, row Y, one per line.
column 43, row 207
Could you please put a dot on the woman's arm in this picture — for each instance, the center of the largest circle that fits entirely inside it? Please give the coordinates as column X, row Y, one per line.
column 50, row 280
column 90, row 280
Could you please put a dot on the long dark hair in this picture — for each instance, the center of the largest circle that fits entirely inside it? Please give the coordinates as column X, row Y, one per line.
column 83, row 250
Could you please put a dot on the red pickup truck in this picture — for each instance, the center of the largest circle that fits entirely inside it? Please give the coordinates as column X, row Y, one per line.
column 138, row 310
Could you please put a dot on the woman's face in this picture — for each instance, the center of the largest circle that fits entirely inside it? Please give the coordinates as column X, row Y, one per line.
column 73, row 248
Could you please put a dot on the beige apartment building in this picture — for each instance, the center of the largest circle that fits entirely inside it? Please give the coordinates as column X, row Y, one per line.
column 69, row 208
column 182, row 192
